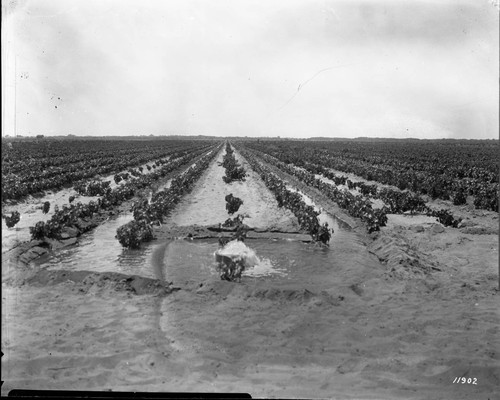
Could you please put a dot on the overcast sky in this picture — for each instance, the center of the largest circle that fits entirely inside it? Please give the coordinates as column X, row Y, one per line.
column 294, row 68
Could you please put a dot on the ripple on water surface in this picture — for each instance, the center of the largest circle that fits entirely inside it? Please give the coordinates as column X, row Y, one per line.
column 100, row 251
column 194, row 260
column 278, row 260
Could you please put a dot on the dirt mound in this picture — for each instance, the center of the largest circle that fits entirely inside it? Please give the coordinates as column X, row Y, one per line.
column 236, row 291
column 174, row 232
column 480, row 230
column 86, row 281
column 401, row 258
column 218, row 288
column 213, row 231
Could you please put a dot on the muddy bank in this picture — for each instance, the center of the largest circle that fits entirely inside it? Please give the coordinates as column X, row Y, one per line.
column 396, row 314
column 268, row 339
column 93, row 282
column 23, row 253
column 212, row 231
column 17, row 248
column 352, row 341
column 416, row 245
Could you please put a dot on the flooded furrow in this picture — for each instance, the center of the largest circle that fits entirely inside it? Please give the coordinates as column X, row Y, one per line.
column 194, row 261
column 100, row 251
column 280, row 262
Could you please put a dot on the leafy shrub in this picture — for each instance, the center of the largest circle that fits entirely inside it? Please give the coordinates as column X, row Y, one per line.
column 445, row 217
column 459, row 198
column 37, row 232
column 233, row 203
column 94, row 188
column 13, row 219
column 234, row 172
column 232, row 222
column 50, row 229
column 487, row 197
column 133, row 233
column 435, row 168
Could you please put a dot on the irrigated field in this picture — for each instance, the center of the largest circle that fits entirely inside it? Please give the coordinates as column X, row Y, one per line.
column 109, row 281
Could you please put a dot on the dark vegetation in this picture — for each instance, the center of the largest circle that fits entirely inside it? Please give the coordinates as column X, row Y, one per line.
column 449, row 170
column 359, row 205
column 234, row 171
column 356, row 205
column 78, row 216
column 31, row 167
column 12, row 220
column 93, row 188
column 306, row 215
column 232, row 203
column 162, row 204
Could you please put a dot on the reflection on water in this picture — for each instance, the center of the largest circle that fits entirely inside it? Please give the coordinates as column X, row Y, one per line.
column 279, row 260
column 194, row 261
column 100, row 251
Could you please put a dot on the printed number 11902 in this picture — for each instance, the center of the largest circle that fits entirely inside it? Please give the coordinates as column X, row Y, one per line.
column 463, row 380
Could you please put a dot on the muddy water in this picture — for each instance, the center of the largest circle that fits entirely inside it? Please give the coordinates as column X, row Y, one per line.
column 189, row 261
column 280, row 261
column 282, row 321
column 100, row 251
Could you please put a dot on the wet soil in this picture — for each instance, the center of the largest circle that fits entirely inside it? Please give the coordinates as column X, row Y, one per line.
column 403, row 313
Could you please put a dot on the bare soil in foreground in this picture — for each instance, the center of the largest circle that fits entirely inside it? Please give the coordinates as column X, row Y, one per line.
column 424, row 310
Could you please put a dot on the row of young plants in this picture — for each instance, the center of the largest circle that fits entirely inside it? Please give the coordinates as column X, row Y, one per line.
column 306, row 215
column 396, row 201
column 93, row 188
column 146, row 214
column 100, row 188
column 355, row 205
column 360, row 206
column 135, row 173
column 27, row 176
column 233, row 204
column 78, row 215
column 234, row 171
column 450, row 170
column 48, row 154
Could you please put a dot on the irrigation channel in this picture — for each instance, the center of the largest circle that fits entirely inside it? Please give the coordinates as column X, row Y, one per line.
column 305, row 321
column 285, row 260
column 263, row 329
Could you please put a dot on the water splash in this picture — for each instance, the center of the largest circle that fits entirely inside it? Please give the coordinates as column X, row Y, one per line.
column 254, row 266
column 264, row 268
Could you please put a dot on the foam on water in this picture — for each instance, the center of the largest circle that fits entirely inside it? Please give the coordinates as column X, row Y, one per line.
column 254, row 266
column 264, row 267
